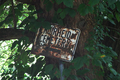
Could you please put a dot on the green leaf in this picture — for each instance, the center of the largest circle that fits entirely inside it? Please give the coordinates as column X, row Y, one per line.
column 113, row 71
column 11, row 65
column 57, row 72
column 100, row 73
column 59, row 1
column 14, row 44
column 118, row 6
column 10, row 10
column 82, row 72
column 97, row 55
column 33, row 71
column 34, row 26
column 111, row 21
column 72, row 13
column 66, row 72
column 59, row 10
column 101, row 7
column 90, row 9
column 82, row 9
column 16, row 17
column 18, row 12
column 112, row 6
column 107, row 59
column 1, row 23
column 93, row 2
column 90, row 56
column 20, row 6
column 111, row 2
column 62, row 15
column 48, row 68
column 85, row 60
column 24, row 58
column 78, row 63
column 4, row 78
column 118, row 32
column 114, row 53
column 64, row 12
column 31, row 7
column 26, row 41
column 97, row 62
column 38, row 12
column 32, row 19
column 60, row 22
column 87, row 78
column 8, row 19
column 111, row 37
column 48, row 5
column 69, row 11
column 37, row 67
column 46, row 25
column 31, row 59
column 68, row 3
column 89, row 48
column 55, row 18
column 3, row 4
column 117, row 15
column 73, row 77
column 4, row 57
column 25, row 21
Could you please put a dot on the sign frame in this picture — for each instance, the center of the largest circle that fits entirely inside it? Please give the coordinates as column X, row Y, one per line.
column 54, row 42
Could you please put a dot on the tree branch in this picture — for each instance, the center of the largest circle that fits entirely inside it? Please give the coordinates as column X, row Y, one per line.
column 14, row 18
column 23, row 1
column 2, row 2
column 10, row 33
column 27, row 1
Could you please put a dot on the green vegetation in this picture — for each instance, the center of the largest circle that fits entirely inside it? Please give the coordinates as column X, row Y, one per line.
column 16, row 60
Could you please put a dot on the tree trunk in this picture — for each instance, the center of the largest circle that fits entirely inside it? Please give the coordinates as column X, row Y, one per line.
column 115, row 44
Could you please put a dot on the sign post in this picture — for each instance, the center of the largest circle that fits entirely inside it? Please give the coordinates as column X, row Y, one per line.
column 61, row 67
column 58, row 43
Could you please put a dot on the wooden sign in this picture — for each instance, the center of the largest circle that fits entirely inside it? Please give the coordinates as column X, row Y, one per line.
column 57, row 42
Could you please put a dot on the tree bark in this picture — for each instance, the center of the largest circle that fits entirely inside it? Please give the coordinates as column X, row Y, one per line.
column 10, row 33
column 115, row 44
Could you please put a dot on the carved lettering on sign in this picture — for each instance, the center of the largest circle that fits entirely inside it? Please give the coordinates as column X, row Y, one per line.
column 57, row 42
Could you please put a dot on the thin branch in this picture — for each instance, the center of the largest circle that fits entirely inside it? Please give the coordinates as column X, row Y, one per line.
column 2, row 2
column 14, row 18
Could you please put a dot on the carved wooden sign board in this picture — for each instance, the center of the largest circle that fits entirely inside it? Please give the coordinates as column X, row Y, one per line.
column 56, row 42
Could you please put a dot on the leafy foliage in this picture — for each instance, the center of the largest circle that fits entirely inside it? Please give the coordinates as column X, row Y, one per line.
column 93, row 2
column 19, row 64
